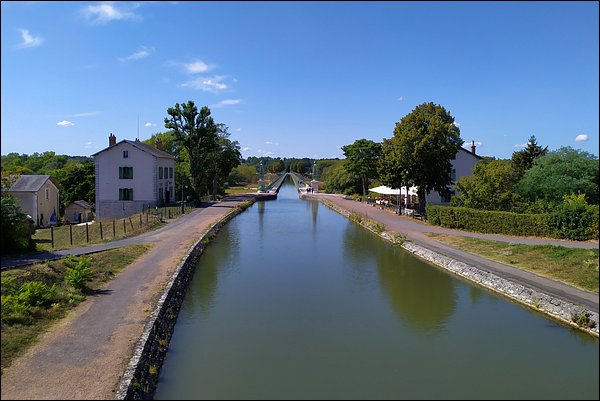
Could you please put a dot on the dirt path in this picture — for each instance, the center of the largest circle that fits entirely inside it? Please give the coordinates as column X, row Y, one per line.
column 85, row 355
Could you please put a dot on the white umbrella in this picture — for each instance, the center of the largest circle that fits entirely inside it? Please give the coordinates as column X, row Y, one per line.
column 382, row 189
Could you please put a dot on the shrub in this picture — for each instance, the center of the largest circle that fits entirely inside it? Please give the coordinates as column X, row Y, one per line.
column 489, row 221
column 574, row 219
column 36, row 293
column 79, row 274
column 16, row 227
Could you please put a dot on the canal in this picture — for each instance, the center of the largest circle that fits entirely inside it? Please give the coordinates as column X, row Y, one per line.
column 293, row 301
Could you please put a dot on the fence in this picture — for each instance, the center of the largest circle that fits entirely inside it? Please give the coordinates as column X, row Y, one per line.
column 68, row 236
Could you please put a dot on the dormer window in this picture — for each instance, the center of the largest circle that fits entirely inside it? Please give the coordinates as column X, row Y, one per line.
column 125, row 154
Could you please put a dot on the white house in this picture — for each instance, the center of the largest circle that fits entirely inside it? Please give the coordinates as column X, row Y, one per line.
column 132, row 176
column 38, row 197
column 462, row 166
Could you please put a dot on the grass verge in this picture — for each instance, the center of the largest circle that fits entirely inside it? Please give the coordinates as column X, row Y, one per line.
column 36, row 296
column 573, row 266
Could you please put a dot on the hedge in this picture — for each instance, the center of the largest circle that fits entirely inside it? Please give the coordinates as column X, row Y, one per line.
column 489, row 221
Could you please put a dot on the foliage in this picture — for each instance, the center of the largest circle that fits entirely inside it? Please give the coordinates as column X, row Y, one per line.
column 198, row 133
column 582, row 319
column 574, row 219
column 362, row 158
column 242, row 174
column 496, row 222
column 16, row 227
column 78, row 271
column 489, row 188
column 523, row 159
column 223, row 159
column 76, row 182
column 559, row 173
column 336, row 179
column 18, row 301
column 424, row 143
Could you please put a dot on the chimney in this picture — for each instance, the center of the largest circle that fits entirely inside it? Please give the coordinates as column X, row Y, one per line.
column 112, row 140
column 159, row 144
column 473, row 147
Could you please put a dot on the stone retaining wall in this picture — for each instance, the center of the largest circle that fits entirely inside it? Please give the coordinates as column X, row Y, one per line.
column 551, row 306
column 141, row 377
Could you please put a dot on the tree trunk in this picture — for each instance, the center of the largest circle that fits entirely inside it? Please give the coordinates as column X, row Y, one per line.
column 421, row 195
column 215, row 188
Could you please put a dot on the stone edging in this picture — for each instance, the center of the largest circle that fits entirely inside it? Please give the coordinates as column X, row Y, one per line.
column 552, row 306
column 141, row 376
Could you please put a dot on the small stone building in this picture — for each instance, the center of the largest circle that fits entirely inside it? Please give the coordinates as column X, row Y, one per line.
column 79, row 212
column 38, row 197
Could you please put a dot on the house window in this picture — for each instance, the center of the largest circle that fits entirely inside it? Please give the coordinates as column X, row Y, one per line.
column 160, row 173
column 125, row 194
column 126, row 173
column 125, row 154
column 170, row 172
column 47, row 194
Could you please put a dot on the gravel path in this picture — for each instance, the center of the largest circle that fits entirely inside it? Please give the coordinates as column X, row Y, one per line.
column 85, row 355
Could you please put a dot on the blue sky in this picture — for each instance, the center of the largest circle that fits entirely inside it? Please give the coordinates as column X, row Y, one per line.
column 299, row 79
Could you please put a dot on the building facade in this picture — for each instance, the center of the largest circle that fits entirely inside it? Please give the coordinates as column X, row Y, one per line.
column 462, row 166
column 38, row 197
column 132, row 176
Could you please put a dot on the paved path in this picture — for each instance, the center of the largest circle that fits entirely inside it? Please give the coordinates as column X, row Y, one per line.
column 85, row 355
column 416, row 230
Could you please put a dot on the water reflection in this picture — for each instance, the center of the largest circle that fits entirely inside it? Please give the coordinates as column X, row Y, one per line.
column 420, row 295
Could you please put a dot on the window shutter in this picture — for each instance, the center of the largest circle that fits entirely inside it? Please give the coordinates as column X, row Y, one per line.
column 120, row 172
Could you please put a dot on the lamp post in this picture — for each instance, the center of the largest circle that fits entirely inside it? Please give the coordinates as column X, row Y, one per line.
column 182, row 204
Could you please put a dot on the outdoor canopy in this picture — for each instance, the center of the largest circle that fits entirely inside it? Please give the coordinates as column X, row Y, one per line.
column 382, row 189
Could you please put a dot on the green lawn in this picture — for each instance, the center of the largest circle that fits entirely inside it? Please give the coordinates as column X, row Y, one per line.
column 574, row 266
column 24, row 321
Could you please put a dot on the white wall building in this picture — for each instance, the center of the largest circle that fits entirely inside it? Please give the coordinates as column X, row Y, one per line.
column 132, row 176
column 462, row 166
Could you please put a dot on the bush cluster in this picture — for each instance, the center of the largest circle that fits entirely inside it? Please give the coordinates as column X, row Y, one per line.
column 574, row 221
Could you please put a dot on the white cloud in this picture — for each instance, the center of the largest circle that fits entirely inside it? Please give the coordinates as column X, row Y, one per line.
column 104, row 13
column 264, row 153
column 520, row 145
column 238, row 130
column 207, row 84
column 65, row 123
column 456, row 124
column 268, row 143
column 89, row 114
column 227, row 102
column 581, row 138
column 246, row 149
column 149, row 124
column 196, row 67
column 400, row 99
column 141, row 52
column 29, row 40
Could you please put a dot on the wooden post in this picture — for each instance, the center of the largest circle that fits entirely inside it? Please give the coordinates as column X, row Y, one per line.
column 140, row 220
column 124, row 227
column 131, row 222
column 71, row 233
column 87, row 233
column 52, row 235
column 114, row 231
column 101, row 237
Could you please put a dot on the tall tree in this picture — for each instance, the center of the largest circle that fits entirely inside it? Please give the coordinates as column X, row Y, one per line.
column 223, row 159
column 562, row 172
column 363, row 157
column 420, row 152
column 523, row 159
column 198, row 133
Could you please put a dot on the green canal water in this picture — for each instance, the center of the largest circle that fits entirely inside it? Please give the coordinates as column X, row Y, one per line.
column 293, row 301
